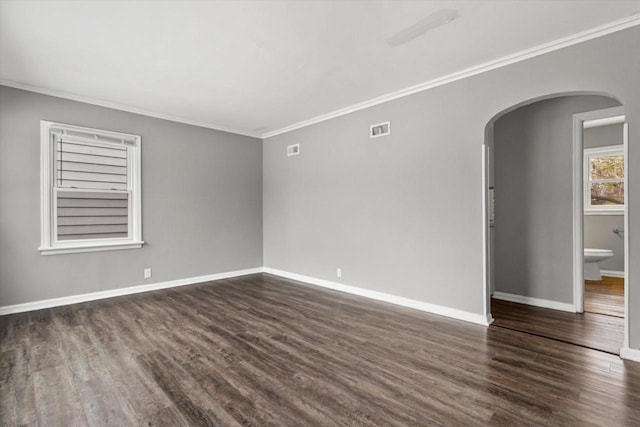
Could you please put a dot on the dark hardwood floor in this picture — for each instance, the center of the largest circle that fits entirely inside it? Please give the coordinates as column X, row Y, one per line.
column 597, row 331
column 605, row 296
column 600, row 327
column 261, row 350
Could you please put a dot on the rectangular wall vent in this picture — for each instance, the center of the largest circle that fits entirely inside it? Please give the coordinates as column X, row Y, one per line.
column 381, row 129
column 293, row 150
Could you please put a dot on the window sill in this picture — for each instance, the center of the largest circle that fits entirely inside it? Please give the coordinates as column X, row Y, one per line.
column 55, row 250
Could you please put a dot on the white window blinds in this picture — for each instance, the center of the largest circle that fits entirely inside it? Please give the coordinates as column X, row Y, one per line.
column 92, row 196
column 91, row 165
column 92, row 215
column 90, row 189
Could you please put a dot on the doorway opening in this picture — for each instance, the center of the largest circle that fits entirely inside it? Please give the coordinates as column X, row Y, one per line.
column 536, row 189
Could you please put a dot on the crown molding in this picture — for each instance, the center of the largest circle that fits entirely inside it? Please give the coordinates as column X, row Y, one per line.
column 115, row 106
column 542, row 49
column 522, row 55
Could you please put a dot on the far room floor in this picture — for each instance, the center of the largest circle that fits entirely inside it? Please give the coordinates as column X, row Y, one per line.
column 600, row 327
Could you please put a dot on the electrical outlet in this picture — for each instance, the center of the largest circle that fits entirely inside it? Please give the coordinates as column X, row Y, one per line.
column 147, row 273
column 339, row 272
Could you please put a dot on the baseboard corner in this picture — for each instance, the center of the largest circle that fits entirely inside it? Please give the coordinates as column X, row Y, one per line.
column 489, row 319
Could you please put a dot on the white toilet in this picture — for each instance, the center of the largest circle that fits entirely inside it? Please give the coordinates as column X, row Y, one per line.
column 591, row 259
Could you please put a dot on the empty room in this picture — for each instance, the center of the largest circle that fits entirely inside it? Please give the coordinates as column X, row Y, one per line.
column 315, row 213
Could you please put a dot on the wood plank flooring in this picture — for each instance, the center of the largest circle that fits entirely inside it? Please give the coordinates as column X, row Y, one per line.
column 601, row 327
column 605, row 296
column 597, row 331
column 260, row 350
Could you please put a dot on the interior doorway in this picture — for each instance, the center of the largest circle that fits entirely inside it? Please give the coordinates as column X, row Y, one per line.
column 534, row 241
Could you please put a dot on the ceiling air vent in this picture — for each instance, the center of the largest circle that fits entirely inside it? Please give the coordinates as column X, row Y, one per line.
column 293, row 150
column 381, row 129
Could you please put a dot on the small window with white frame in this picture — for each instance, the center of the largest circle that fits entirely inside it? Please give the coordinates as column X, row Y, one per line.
column 90, row 189
column 604, row 180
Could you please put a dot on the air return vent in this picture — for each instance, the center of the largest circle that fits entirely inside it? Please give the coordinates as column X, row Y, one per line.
column 293, row 150
column 381, row 129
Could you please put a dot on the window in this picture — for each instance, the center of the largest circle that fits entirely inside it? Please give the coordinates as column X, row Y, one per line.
column 90, row 189
column 604, row 180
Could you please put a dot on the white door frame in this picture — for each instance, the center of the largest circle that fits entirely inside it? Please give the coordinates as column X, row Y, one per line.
column 486, row 267
column 608, row 116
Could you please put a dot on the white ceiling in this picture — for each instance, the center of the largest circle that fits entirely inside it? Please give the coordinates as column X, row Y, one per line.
column 259, row 66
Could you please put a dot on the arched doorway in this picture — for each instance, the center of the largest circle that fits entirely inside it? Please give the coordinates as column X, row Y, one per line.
column 534, row 236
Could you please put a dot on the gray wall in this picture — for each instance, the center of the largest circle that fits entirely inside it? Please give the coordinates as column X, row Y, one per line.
column 598, row 229
column 201, row 202
column 533, row 155
column 602, row 136
column 403, row 214
column 400, row 214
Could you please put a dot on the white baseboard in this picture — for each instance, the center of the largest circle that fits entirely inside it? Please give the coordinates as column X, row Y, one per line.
column 625, row 353
column 538, row 302
column 612, row 273
column 381, row 296
column 630, row 354
column 73, row 299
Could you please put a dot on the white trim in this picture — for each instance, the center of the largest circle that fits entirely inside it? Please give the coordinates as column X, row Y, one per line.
column 561, row 43
column 578, row 249
column 93, row 247
column 49, row 243
column 627, row 264
column 74, row 299
column 630, row 354
column 380, row 296
column 605, row 213
column 120, row 107
column 537, row 302
column 606, row 121
column 135, row 163
column 593, row 33
column 578, row 213
column 46, row 175
column 485, row 233
column 625, row 352
column 578, row 196
column 612, row 273
column 91, row 135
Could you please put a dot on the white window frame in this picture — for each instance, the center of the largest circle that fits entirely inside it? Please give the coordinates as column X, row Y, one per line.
column 589, row 153
column 49, row 244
